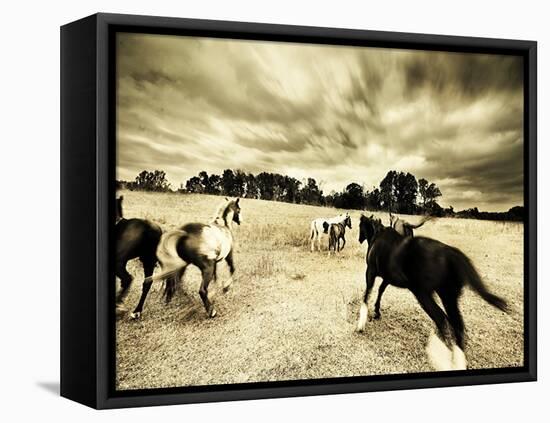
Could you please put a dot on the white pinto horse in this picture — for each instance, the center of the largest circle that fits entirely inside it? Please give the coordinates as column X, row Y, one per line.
column 200, row 244
column 321, row 225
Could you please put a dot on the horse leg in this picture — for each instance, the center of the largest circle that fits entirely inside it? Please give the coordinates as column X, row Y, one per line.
column 450, row 302
column 125, row 282
column 148, row 268
column 440, row 348
column 381, row 290
column 370, row 276
column 231, row 264
column 208, row 270
column 343, row 243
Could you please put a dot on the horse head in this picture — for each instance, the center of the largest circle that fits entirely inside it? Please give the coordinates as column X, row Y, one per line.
column 236, row 211
column 368, row 228
column 230, row 212
column 347, row 221
column 118, row 210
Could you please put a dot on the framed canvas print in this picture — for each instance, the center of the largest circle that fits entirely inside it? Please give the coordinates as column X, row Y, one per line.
column 256, row 211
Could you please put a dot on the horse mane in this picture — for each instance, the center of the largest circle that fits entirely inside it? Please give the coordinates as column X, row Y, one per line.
column 221, row 211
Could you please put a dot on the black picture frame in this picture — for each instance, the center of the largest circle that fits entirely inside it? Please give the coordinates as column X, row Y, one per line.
column 87, row 203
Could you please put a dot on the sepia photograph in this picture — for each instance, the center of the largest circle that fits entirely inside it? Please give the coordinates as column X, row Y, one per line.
column 291, row 211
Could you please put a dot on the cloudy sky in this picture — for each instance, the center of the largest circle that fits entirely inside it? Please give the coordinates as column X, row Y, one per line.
column 338, row 114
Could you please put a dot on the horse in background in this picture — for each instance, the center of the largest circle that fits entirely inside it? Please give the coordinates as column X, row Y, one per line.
column 321, row 226
column 203, row 245
column 135, row 238
column 337, row 232
column 425, row 267
column 405, row 228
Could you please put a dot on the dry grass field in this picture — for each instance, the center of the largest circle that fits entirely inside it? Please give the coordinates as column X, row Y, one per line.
column 291, row 314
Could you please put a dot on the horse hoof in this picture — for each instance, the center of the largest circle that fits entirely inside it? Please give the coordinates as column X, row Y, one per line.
column 226, row 289
column 135, row 316
column 377, row 317
column 213, row 313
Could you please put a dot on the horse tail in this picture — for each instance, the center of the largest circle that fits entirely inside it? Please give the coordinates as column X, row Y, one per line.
column 171, row 283
column 418, row 225
column 164, row 275
column 466, row 270
column 169, row 258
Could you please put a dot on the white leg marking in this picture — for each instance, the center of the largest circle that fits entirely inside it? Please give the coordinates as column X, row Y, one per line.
column 134, row 316
column 459, row 359
column 441, row 357
column 363, row 315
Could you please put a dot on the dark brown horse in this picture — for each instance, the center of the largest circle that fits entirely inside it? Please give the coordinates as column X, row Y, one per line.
column 337, row 232
column 425, row 267
column 200, row 244
column 135, row 238
column 405, row 229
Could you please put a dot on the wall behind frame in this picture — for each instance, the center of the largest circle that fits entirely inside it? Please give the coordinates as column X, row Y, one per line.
column 30, row 144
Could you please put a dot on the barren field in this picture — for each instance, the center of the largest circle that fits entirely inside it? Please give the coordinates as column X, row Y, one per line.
column 291, row 314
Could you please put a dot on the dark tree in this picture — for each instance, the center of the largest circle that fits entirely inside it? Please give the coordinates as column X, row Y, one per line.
column 239, row 184
column 423, row 191
column 432, row 193
column 292, row 189
column 354, row 197
column 373, row 199
column 265, row 185
column 214, row 184
column 405, row 188
column 252, row 190
column 311, row 194
column 387, row 191
column 228, row 179
column 205, row 180
column 194, row 185
column 516, row 213
column 152, row 181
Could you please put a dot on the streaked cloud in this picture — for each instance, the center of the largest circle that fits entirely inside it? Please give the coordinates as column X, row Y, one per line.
column 338, row 114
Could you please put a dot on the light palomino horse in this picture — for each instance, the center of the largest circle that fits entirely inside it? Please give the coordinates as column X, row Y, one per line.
column 320, row 226
column 203, row 245
column 405, row 228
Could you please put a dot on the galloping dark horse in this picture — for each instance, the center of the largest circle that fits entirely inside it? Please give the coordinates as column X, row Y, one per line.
column 424, row 266
column 135, row 238
column 337, row 232
column 405, row 229
column 203, row 245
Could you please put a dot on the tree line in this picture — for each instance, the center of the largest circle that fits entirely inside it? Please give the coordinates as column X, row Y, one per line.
column 398, row 192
